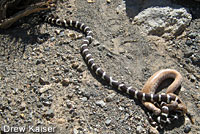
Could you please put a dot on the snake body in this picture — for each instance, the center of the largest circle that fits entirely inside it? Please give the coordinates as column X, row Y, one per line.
column 145, row 96
column 152, row 84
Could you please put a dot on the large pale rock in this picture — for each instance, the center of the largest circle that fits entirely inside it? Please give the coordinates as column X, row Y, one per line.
column 163, row 21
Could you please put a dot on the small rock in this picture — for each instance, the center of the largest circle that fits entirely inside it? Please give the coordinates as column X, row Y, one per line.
column 14, row 112
column 188, row 42
column 73, row 36
column 192, row 78
column 46, row 103
column 69, row 104
column 70, row 95
column 40, row 61
column 188, row 54
column 139, row 129
column 109, row 55
column 108, row 1
column 23, row 106
column 22, row 116
column 84, row 99
column 153, row 130
column 46, row 70
column 187, row 129
column 57, row 31
column 50, row 113
column 101, row 47
column 44, row 88
column 39, row 104
column 62, row 34
column 61, row 121
column 75, row 65
column 121, row 8
column 192, row 35
column 65, row 82
column 52, row 39
column 195, row 59
column 96, row 42
column 100, row 103
column 110, row 97
column 90, row 1
column 75, row 131
column 107, row 122
column 66, row 70
column 80, row 68
column 46, row 48
column 121, row 108
column 42, row 81
column 15, row 90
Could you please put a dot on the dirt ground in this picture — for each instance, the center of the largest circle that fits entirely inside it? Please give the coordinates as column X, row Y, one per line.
column 45, row 82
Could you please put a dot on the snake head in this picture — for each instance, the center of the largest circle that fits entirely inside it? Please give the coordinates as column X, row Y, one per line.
column 182, row 107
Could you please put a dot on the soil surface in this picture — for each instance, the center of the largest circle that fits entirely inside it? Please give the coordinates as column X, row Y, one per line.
column 44, row 80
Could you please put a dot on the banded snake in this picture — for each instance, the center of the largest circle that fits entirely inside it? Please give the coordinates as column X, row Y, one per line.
column 161, row 105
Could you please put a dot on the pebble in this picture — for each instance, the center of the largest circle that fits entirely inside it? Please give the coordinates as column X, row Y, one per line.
column 101, row 47
column 121, row 108
column 110, row 97
column 52, row 39
column 96, row 42
column 22, row 116
column 90, row 1
column 188, row 42
column 80, row 68
column 50, row 113
column 65, row 82
column 47, row 103
column 57, row 31
column 22, row 106
column 69, row 104
column 39, row 104
column 46, row 48
column 109, row 55
column 61, row 121
column 46, row 70
column 62, row 34
column 187, row 129
column 120, row 8
column 195, row 59
column 72, row 35
column 188, row 54
column 108, row 1
column 139, row 129
column 107, row 122
column 70, row 95
column 75, row 131
column 192, row 35
column 153, row 130
column 42, row 81
column 15, row 91
column 44, row 88
column 192, row 78
column 75, row 65
column 84, row 98
column 100, row 103
column 14, row 112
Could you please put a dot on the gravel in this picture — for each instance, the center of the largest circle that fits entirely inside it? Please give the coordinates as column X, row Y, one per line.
column 48, row 83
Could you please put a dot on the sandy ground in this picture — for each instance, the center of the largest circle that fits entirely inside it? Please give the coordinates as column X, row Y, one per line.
column 44, row 80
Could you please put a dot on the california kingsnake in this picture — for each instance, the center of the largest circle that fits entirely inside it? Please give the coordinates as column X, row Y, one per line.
column 166, row 103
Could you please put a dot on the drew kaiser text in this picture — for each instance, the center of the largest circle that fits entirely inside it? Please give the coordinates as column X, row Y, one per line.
column 32, row 129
